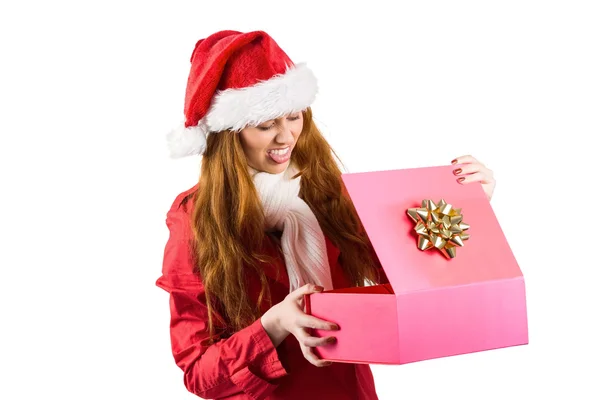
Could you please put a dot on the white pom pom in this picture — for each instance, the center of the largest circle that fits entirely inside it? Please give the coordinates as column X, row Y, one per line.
column 183, row 142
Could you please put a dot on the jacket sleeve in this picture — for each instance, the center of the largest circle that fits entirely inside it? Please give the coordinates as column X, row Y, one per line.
column 245, row 362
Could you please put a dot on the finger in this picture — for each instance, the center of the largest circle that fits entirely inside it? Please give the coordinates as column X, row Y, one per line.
column 312, row 341
column 308, row 321
column 472, row 168
column 309, row 288
column 312, row 358
column 466, row 159
column 476, row 177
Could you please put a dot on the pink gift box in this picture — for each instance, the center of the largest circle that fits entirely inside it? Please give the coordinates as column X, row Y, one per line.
column 434, row 306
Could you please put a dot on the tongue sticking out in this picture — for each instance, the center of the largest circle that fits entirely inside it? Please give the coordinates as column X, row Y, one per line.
column 280, row 158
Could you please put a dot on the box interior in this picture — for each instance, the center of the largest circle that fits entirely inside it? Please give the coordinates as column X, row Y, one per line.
column 376, row 289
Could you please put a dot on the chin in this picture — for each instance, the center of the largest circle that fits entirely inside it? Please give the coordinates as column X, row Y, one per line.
column 273, row 168
column 279, row 168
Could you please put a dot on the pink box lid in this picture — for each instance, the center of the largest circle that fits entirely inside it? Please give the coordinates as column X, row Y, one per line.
column 381, row 199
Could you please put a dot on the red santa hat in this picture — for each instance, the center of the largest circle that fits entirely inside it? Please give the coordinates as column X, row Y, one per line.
column 237, row 80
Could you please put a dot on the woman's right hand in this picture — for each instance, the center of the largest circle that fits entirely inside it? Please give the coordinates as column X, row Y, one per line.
column 289, row 317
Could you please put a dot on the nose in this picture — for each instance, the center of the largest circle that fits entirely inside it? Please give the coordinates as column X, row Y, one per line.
column 284, row 132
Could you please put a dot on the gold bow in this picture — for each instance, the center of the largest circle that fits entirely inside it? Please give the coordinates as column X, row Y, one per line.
column 440, row 226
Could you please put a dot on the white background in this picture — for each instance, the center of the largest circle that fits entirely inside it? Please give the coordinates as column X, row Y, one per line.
column 88, row 91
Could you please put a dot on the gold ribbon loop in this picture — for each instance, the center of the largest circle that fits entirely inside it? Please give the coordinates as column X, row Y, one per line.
column 440, row 226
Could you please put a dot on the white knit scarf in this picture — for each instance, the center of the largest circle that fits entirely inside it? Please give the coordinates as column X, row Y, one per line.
column 302, row 240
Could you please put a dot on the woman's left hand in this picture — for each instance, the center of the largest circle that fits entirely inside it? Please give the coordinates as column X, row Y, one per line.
column 468, row 169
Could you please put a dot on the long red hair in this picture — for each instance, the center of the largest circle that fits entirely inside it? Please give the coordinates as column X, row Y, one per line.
column 228, row 221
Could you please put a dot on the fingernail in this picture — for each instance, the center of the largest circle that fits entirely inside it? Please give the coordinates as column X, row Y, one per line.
column 319, row 288
column 335, row 327
column 331, row 339
column 454, row 161
column 457, row 171
column 327, row 364
column 461, row 179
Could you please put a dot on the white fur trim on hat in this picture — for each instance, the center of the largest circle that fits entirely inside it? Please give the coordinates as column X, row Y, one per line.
column 183, row 142
column 290, row 92
column 235, row 109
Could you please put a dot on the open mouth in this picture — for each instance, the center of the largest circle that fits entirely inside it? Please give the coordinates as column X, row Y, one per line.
column 280, row 156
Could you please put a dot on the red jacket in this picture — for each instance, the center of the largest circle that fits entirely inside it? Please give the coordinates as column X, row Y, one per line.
column 245, row 365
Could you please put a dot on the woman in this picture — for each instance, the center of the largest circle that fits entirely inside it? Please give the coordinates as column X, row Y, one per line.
column 268, row 222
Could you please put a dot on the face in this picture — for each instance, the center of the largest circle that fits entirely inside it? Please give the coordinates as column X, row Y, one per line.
column 268, row 147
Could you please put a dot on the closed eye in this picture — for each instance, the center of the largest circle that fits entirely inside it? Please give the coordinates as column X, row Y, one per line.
column 272, row 125
column 266, row 128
